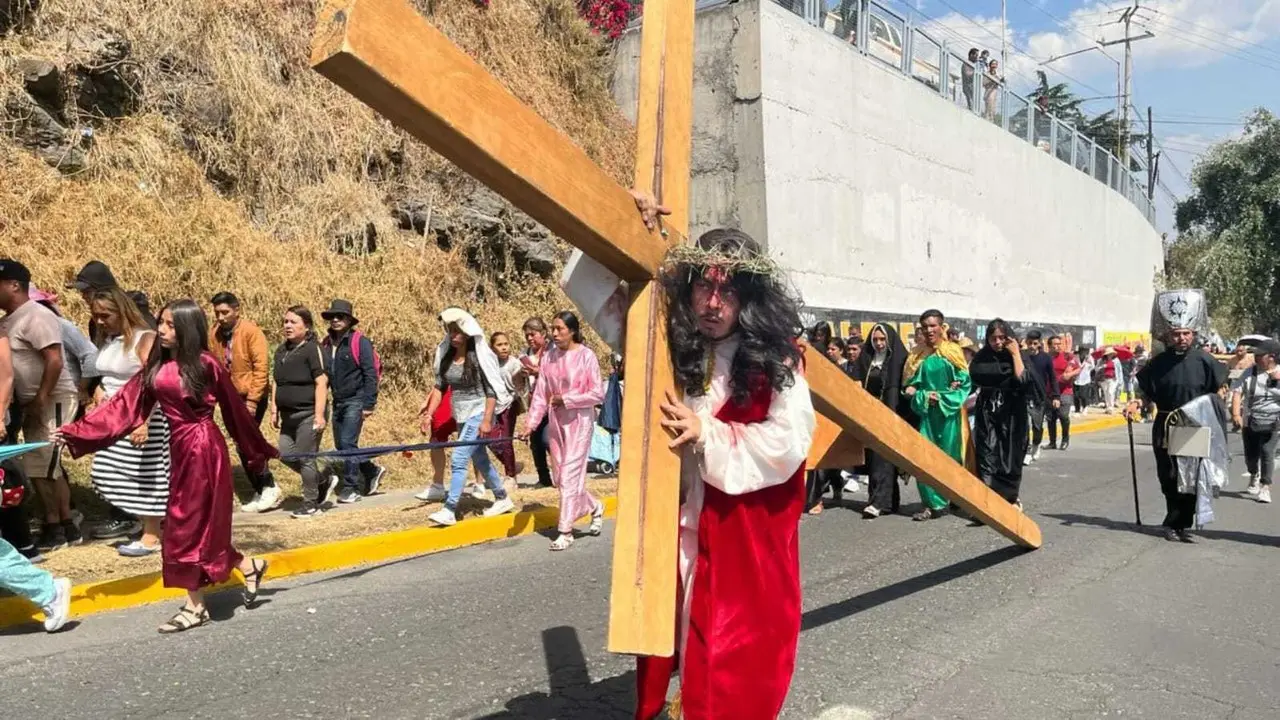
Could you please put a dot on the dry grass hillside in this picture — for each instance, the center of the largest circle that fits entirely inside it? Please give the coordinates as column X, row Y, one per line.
column 188, row 145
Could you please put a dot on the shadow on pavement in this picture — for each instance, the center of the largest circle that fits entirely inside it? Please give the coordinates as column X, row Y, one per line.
column 572, row 695
column 1208, row 534
column 818, row 617
column 1102, row 522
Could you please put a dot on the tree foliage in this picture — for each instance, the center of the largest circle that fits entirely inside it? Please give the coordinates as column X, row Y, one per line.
column 1105, row 129
column 1229, row 229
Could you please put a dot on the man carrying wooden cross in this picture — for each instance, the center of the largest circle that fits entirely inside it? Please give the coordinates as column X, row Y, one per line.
column 744, row 423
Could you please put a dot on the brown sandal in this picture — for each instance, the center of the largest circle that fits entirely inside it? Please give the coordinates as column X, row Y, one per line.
column 185, row 619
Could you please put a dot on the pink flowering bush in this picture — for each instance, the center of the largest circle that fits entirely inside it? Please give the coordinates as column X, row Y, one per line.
column 609, row 17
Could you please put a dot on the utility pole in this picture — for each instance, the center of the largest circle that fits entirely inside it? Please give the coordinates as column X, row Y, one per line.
column 1127, row 18
column 1004, row 40
column 1151, row 160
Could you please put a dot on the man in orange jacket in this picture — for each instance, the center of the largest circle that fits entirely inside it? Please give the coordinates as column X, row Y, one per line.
column 241, row 347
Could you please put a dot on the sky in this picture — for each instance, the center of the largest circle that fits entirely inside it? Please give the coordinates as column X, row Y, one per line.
column 1207, row 66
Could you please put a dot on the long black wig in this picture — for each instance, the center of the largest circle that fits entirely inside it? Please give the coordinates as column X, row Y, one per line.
column 768, row 321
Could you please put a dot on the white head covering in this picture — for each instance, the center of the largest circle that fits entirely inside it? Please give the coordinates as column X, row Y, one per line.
column 1179, row 309
column 489, row 364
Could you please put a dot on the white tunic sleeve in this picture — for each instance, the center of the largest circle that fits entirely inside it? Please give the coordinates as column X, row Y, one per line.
column 740, row 458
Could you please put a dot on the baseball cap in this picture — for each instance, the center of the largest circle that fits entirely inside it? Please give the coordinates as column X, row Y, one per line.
column 95, row 275
column 11, row 269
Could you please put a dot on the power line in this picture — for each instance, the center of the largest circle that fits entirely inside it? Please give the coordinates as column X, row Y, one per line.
column 1189, row 39
column 1232, row 123
column 1067, row 26
column 1188, row 23
column 950, row 31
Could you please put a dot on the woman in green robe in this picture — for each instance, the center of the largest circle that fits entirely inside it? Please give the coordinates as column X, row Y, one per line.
column 937, row 391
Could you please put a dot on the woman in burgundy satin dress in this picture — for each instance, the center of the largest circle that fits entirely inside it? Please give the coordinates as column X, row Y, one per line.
column 187, row 382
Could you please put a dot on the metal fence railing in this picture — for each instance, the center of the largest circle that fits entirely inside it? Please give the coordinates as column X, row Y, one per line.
column 892, row 39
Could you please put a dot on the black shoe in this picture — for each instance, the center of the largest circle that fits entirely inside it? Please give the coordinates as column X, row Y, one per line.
column 1051, row 446
column 1065, row 444
column 31, row 554
column 371, row 484
column 308, row 510
column 1186, row 537
column 1172, row 535
column 52, row 537
column 328, row 486
column 112, row 529
column 72, row 533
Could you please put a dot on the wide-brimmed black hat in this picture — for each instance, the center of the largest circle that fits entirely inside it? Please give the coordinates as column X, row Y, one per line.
column 95, row 275
column 340, row 307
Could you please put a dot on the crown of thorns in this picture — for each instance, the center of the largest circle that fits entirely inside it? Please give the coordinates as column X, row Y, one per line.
column 732, row 263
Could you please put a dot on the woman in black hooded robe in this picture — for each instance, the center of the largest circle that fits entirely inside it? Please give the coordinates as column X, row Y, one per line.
column 1004, row 383
column 880, row 366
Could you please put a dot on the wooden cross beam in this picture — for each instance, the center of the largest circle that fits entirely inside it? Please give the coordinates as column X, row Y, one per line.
column 393, row 60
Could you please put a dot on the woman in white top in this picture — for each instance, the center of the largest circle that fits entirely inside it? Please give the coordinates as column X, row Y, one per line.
column 1083, row 381
column 133, row 474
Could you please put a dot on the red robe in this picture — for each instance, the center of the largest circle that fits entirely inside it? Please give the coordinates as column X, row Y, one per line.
column 744, row 619
column 197, row 549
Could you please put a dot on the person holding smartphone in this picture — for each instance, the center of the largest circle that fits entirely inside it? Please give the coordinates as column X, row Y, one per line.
column 1005, row 387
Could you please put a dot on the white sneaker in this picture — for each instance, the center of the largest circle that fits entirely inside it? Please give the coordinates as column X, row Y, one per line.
column 1028, row 459
column 476, row 490
column 253, row 505
column 1035, row 454
column 433, row 493
column 852, row 486
column 270, row 500
column 57, row 612
column 1254, row 486
column 1264, row 495
column 443, row 517
column 501, row 507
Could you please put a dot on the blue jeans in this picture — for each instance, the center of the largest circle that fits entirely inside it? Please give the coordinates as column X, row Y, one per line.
column 20, row 577
column 476, row 454
column 348, row 420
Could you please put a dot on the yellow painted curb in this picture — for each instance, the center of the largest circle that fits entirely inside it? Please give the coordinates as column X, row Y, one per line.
column 1104, row 423
column 129, row 592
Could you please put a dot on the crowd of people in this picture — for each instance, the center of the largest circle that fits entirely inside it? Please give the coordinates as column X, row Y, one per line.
column 740, row 415
column 138, row 392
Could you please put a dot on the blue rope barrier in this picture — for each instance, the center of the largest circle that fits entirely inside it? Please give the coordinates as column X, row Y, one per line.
column 366, row 453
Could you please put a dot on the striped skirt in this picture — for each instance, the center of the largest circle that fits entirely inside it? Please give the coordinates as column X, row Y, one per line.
column 136, row 480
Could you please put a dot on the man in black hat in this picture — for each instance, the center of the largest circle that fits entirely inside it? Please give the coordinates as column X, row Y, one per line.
column 353, row 378
column 1175, row 377
column 44, row 392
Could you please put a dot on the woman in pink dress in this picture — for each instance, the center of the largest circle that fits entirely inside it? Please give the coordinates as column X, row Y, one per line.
column 187, row 382
column 567, row 392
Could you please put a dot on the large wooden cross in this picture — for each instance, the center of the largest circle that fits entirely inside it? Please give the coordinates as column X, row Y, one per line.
column 387, row 55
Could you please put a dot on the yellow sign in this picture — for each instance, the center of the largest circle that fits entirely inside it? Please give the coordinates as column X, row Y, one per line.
column 1115, row 337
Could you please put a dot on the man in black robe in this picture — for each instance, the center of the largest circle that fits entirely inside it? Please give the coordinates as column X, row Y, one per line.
column 1180, row 374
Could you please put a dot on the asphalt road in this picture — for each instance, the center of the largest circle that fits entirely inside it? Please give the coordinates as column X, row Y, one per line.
column 902, row 620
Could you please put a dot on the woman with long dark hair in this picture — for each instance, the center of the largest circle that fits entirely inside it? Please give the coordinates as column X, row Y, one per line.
column 568, row 391
column 133, row 474
column 469, row 370
column 880, row 364
column 1000, row 427
column 187, row 383
column 299, row 405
